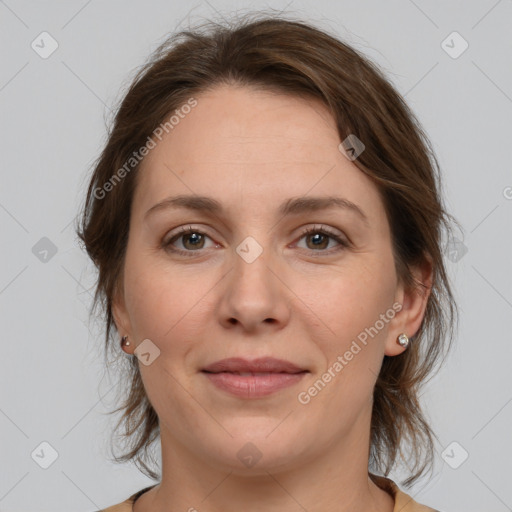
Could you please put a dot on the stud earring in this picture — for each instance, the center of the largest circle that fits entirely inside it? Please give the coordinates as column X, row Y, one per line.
column 403, row 340
column 125, row 342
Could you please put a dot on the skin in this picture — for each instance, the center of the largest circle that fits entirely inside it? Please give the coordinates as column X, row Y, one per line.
column 251, row 150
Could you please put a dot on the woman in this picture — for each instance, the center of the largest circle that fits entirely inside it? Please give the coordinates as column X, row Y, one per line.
column 266, row 220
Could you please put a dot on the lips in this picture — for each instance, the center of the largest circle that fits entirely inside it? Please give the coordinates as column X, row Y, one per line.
column 260, row 366
column 255, row 379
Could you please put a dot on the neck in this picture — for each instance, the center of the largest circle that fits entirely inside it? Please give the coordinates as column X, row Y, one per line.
column 335, row 480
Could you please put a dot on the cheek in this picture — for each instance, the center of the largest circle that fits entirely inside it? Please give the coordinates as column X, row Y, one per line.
column 150, row 305
column 166, row 307
column 344, row 319
column 349, row 299
column 151, row 295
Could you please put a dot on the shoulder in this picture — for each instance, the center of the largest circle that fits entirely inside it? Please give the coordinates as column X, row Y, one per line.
column 127, row 505
column 403, row 502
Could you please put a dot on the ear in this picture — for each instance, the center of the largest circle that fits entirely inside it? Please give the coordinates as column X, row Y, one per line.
column 121, row 317
column 414, row 303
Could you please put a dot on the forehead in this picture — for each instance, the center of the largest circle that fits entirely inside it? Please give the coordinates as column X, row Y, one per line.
column 245, row 146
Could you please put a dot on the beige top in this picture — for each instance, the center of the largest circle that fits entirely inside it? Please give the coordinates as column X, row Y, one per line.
column 403, row 502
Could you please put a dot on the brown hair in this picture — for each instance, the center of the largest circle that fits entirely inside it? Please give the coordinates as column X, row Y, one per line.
column 292, row 57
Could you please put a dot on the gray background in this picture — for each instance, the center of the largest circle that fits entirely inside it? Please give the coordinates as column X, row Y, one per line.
column 53, row 384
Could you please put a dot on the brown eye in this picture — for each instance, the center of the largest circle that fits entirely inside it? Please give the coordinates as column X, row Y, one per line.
column 318, row 239
column 196, row 240
column 191, row 240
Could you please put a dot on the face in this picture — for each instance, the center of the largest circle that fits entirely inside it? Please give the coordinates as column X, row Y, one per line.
column 312, row 286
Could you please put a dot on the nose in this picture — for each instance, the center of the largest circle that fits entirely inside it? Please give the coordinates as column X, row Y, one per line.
column 254, row 296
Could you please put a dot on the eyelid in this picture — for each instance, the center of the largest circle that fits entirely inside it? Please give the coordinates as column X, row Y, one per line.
column 320, row 227
column 183, row 230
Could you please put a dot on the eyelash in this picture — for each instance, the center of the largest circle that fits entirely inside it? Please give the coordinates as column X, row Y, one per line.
column 344, row 244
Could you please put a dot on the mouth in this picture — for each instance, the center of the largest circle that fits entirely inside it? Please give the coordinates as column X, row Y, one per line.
column 256, row 374
column 262, row 365
column 253, row 379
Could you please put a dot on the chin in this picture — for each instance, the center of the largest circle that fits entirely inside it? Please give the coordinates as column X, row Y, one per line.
column 257, row 447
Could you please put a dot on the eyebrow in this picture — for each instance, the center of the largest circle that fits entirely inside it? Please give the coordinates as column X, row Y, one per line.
column 293, row 206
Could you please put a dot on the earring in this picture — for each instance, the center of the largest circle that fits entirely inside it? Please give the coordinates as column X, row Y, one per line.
column 124, row 342
column 403, row 340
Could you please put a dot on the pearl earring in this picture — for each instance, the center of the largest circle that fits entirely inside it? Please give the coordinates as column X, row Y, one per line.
column 403, row 340
column 124, row 342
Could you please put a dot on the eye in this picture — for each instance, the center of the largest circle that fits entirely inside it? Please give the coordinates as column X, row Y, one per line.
column 193, row 240
column 317, row 239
